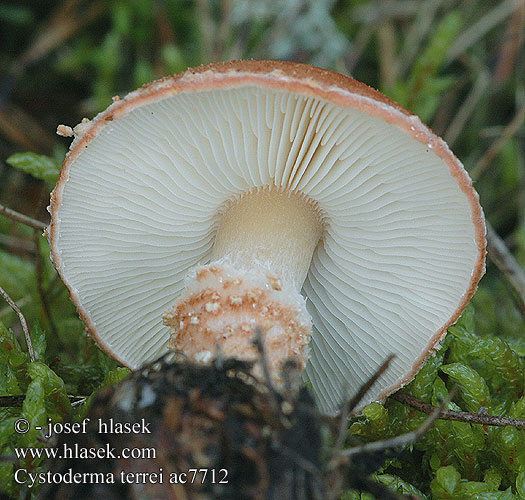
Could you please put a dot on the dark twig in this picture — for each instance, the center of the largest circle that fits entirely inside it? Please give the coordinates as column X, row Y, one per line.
column 291, row 375
column 18, row 401
column 40, row 287
column 352, row 402
column 506, row 263
column 24, row 219
column 258, row 342
column 369, row 383
column 396, row 441
column 23, row 322
column 460, row 416
column 259, row 345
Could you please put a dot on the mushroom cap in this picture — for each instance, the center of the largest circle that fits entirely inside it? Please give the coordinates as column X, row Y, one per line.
column 135, row 207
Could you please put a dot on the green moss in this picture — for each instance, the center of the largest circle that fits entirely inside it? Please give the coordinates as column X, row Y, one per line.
column 457, row 460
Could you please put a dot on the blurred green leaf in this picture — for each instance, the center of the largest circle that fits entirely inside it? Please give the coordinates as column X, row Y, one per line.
column 39, row 166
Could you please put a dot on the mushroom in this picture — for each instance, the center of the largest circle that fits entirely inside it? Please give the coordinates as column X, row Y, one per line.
column 273, row 195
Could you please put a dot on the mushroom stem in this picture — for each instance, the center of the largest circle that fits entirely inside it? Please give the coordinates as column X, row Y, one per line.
column 275, row 228
column 263, row 249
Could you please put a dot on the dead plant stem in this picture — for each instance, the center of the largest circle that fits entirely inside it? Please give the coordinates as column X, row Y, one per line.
column 460, row 416
column 24, row 219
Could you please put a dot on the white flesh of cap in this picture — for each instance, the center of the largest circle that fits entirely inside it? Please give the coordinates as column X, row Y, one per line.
column 139, row 210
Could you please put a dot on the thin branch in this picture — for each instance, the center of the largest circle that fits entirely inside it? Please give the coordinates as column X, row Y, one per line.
column 21, row 303
column 459, row 416
column 371, row 381
column 24, row 219
column 498, row 144
column 258, row 342
column 401, row 440
column 18, row 400
column 23, row 322
column 40, row 287
column 506, row 263
column 354, row 401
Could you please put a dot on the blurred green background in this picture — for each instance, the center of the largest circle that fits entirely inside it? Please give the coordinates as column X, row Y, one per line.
column 459, row 65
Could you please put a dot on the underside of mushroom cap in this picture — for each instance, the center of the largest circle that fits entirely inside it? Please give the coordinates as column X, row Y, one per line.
column 139, row 194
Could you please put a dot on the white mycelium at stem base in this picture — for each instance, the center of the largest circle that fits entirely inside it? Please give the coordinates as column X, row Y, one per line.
column 262, row 252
